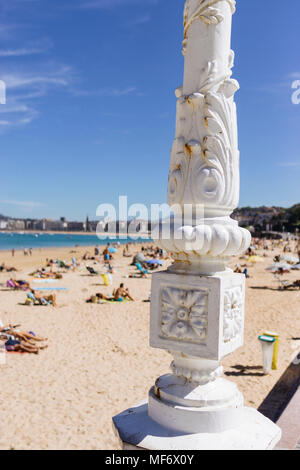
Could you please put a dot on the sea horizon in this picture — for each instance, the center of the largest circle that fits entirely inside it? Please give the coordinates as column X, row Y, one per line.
column 37, row 240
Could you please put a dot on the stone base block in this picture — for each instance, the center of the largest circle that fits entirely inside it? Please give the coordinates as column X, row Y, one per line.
column 136, row 430
column 202, row 316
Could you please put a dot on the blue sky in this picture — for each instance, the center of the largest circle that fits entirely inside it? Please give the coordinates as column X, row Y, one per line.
column 90, row 110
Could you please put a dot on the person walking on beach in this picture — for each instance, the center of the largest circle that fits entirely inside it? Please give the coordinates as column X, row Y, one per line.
column 106, row 254
column 13, row 252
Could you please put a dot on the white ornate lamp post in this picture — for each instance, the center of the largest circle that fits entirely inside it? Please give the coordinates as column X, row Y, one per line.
column 197, row 305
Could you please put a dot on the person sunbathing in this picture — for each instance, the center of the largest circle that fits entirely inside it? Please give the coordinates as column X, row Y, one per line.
column 94, row 299
column 20, row 341
column 142, row 270
column 43, row 274
column 295, row 285
column 118, row 295
column 12, row 331
column 121, row 293
column 18, row 285
column 21, row 346
column 3, row 267
column 37, row 299
column 62, row 264
column 87, row 256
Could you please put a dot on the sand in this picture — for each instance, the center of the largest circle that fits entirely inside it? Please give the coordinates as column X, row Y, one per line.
column 98, row 362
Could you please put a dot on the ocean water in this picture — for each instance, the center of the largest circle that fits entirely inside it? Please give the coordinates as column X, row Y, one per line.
column 19, row 241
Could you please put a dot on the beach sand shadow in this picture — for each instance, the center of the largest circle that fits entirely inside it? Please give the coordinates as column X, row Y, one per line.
column 245, row 371
column 89, row 275
column 276, row 289
column 283, row 391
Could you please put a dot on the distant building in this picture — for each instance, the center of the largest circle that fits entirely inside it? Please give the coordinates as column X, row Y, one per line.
column 55, row 225
column 39, row 225
column 76, row 226
column 15, row 224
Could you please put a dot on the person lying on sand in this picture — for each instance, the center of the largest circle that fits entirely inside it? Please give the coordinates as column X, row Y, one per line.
column 3, row 267
column 49, row 263
column 20, row 346
column 17, row 285
column 142, row 269
column 118, row 295
column 37, row 299
column 62, row 264
column 19, row 334
column 22, row 341
column 294, row 285
column 87, row 256
column 43, row 274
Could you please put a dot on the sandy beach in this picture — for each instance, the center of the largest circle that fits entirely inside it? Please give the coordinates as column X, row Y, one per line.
column 99, row 362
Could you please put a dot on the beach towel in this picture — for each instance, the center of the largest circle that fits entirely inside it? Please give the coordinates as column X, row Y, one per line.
column 113, row 301
column 51, row 288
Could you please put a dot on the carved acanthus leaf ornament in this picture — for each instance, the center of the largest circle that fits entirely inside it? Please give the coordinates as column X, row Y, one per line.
column 206, row 12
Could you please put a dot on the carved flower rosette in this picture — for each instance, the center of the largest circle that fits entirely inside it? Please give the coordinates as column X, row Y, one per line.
column 184, row 314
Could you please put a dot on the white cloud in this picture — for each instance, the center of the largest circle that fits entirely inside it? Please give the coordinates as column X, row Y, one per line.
column 117, row 92
column 109, row 4
column 139, row 20
column 42, row 46
column 14, row 108
column 19, row 52
column 24, row 204
column 60, row 77
column 290, row 164
column 23, row 88
column 294, row 75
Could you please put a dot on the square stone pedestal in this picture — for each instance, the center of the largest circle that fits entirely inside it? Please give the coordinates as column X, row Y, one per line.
column 201, row 316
